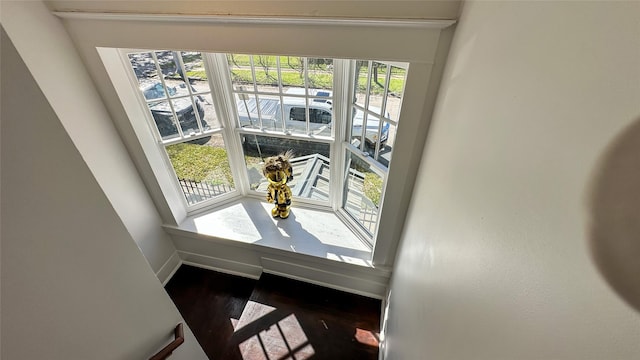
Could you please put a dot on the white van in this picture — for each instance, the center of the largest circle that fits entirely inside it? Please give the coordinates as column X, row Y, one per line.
column 320, row 115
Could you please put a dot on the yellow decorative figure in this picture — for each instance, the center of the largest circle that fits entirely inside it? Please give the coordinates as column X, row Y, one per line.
column 278, row 171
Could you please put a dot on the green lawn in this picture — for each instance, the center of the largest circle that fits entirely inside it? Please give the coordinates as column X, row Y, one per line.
column 201, row 163
column 372, row 187
column 319, row 74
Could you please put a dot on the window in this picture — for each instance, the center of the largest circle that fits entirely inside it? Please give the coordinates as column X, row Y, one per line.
column 337, row 116
column 375, row 110
column 277, row 107
column 177, row 93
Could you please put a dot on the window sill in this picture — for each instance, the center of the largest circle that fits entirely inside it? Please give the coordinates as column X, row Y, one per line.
column 306, row 231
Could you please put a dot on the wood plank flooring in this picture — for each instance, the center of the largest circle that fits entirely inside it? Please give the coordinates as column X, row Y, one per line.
column 274, row 317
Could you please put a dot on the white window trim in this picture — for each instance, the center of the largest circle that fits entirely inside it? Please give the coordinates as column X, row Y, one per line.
column 236, row 156
column 90, row 33
column 222, row 94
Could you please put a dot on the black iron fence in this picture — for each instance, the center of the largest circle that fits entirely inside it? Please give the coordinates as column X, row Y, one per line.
column 196, row 192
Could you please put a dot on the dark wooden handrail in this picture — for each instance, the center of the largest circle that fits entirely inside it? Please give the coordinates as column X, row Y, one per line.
column 168, row 350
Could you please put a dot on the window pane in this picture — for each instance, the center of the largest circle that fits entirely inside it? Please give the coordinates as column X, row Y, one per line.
column 166, row 62
column 186, row 115
column 172, row 74
column 194, row 65
column 240, row 69
column 396, row 91
column 310, row 164
column 296, row 115
column 292, row 71
column 247, row 106
column 320, row 73
column 371, row 138
column 164, row 119
column 362, row 76
column 370, row 123
column 369, row 131
column 146, row 72
column 376, row 90
column 363, row 193
column 202, row 168
column 319, row 116
column 270, row 112
column 266, row 73
column 177, row 83
column 205, row 105
column 386, row 144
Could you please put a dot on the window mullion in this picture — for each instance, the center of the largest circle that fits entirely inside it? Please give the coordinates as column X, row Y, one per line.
column 217, row 69
column 383, row 110
column 343, row 88
column 365, row 114
column 305, row 62
column 255, row 90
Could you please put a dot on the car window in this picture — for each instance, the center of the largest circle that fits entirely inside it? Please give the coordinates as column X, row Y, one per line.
column 319, row 116
column 157, row 92
column 297, row 114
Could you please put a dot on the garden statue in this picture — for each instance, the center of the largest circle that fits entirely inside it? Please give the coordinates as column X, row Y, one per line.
column 278, row 171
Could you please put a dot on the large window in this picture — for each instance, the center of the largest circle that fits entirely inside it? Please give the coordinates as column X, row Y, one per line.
column 176, row 90
column 284, row 103
column 339, row 118
column 375, row 110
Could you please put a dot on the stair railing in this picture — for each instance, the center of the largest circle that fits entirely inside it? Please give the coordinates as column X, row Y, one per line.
column 168, row 350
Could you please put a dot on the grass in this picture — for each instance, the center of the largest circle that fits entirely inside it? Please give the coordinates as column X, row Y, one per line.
column 319, row 75
column 197, row 74
column 318, row 80
column 373, row 187
column 396, row 83
column 201, row 163
column 289, row 78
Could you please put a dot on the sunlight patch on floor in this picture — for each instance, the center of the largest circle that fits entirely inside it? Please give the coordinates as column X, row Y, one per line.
column 367, row 337
column 283, row 339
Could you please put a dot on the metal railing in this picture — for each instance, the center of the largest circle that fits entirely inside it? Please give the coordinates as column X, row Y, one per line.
column 196, row 191
column 358, row 204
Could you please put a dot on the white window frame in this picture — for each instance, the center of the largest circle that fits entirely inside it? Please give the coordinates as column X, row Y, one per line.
column 223, row 97
column 376, row 166
column 161, row 143
column 225, row 78
column 98, row 35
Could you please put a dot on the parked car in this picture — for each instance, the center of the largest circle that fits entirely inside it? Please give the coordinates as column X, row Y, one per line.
column 320, row 115
column 163, row 117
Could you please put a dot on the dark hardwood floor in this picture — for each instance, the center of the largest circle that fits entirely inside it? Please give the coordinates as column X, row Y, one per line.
column 274, row 317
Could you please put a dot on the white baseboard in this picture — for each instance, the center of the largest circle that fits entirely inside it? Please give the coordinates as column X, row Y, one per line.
column 168, row 268
column 173, row 272
column 249, row 260
column 384, row 321
column 221, row 265
column 339, row 281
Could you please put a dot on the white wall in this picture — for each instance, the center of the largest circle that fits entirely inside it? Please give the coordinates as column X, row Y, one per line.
column 495, row 258
column 74, row 284
column 38, row 35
